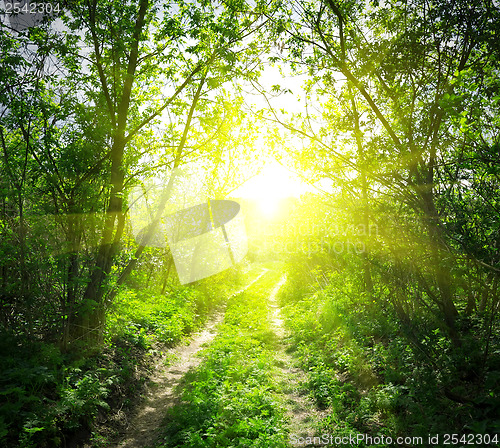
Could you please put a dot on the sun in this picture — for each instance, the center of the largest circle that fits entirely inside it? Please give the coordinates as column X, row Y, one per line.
column 269, row 206
column 268, row 189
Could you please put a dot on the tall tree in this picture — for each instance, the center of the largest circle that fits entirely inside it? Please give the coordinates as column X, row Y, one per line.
column 120, row 89
column 137, row 50
column 404, row 61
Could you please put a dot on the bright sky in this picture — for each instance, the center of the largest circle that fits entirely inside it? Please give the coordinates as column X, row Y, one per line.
column 273, row 184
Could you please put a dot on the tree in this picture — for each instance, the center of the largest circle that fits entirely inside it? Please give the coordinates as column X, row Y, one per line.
column 404, row 61
column 210, row 61
column 114, row 74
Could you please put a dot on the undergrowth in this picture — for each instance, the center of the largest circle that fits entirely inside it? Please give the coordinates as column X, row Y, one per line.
column 50, row 398
column 379, row 377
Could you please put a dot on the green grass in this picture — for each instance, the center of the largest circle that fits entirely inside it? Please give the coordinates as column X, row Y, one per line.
column 231, row 398
column 149, row 316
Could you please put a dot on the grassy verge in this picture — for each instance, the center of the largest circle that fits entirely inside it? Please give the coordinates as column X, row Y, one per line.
column 231, row 398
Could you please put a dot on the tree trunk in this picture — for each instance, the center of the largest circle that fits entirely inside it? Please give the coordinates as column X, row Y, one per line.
column 440, row 263
column 167, row 274
column 91, row 316
column 367, row 276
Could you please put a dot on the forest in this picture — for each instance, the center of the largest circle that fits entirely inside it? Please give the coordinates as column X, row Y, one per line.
column 249, row 223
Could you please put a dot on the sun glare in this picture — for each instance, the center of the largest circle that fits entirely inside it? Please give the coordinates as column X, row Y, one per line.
column 269, row 206
column 270, row 187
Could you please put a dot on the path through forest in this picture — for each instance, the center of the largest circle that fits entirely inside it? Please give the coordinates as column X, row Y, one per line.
column 143, row 427
column 144, row 424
